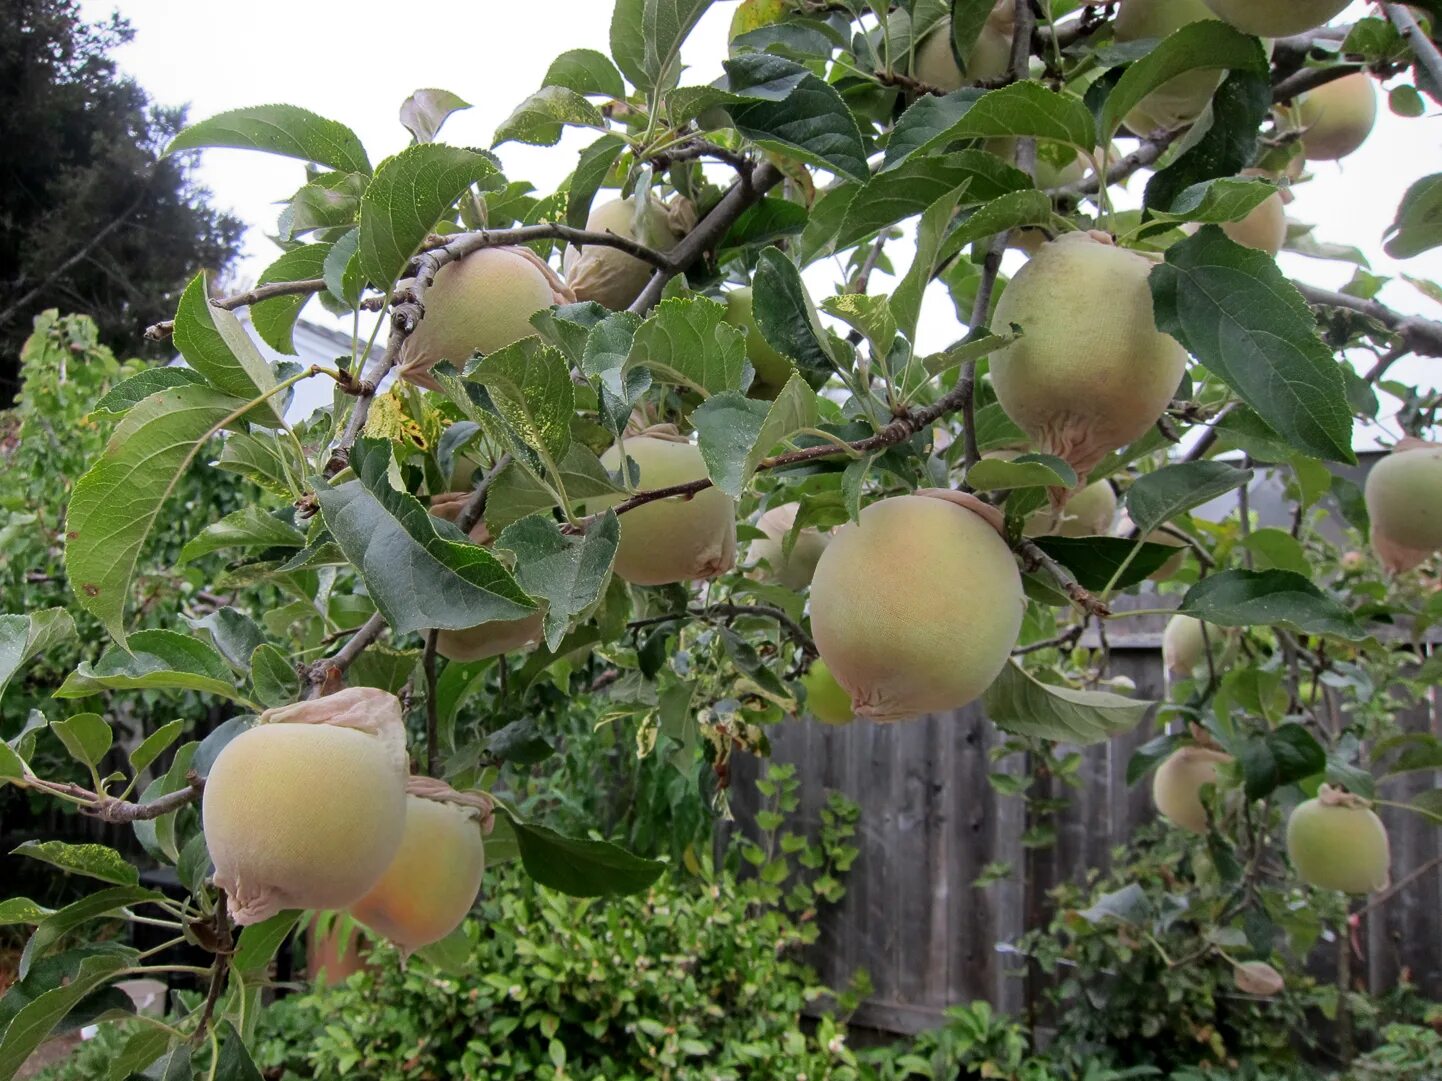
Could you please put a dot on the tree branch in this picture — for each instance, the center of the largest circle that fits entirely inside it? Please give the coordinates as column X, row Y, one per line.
column 1033, row 558
column 459, row 245
column 701, row 148
column 1309, row 79
column 747, row 190
column 328, row 670
column 710, row 611
column 433, row 737
column 1423, row 48
column 159, row 331
column 475, row 506
column 1421, row 336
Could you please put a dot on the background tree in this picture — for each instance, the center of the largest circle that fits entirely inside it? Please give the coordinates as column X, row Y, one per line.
column 92, row 218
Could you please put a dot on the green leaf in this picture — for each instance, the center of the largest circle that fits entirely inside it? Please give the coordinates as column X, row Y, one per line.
column 215, row 344
column 144, row 1047
column 35, row 1021
column 1010, row 211
column 86, row 736
column 592, row 168
column 1200, row 45
column 157, row 659
column 687, row 341
column 116, row 502
column 273, row 677
column 423, row 113
column 92, row 861
column 517, row 493
column 540, row 119
column 906, row 299
column 734, row 433
column 234, row 1062
column 420, row 571
column 1226, row 147
column 155, row 744
column 1232, row 308
column 1022, row 109
column 1019, row 704
column 871, row 315
column 530, row 386
column 259, row 942
column 1276, row 549
column 900, row 193
column 279, row 129
column 411, row 192
column 249, row 527
column 580, row 867
column 15, row 910
column 586, row 71
column 1094, row 560
column 341, row 269
column 1026, row 471
column 785, row 314
column 58, row 924
column 1240, row 598
column 330, row 201
column 1285, row 755
column 24, row 637
column 274, row 319
column 12, row 765
column 452, row 954
column 567, row 572
column 1157, row 498
column 131, row 392
column 233, row 633
column 1418, row 226
column 646, row 37
column 1220, row 200
column 811, row 123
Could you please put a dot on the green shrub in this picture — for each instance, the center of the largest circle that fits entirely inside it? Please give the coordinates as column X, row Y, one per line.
column 699, row 977
column 1408, row 1053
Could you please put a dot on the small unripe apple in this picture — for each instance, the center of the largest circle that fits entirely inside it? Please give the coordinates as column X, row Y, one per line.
column 1177, row 102
column 610, row 276
column 1276, row 18
column 307, row 809
column 915, row 608
column 1404, row 496
column 480, row 303
column 773, row 369
column 1177, row 786
column 1184, row 646
column 1091, row 371
column 1264, row 229
column 826, row 700
column 1337, row 842
column 1337, row 117
column 793, row 571
column 681, row 539
column 487, row 639
column 990, row 56
column 433, row 880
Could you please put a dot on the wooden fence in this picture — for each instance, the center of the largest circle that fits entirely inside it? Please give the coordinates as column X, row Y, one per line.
column 931, row 822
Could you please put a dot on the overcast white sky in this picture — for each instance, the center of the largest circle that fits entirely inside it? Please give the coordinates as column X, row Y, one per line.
column 357, row 62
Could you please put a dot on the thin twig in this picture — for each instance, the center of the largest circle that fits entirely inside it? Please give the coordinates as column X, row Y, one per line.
column 1035, row 559
column 158, row 331
column 966, row 382
column 1396, row 888
column 1309, row 79
column 711, row 611
column 328, row 670
column 1066, row 640
column 433, row 729
column 1421, row 336
column 700, row 148
column 459, row 245
column 220, row 967
column 476, row 505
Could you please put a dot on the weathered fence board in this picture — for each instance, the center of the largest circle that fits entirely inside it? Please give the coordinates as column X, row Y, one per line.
column 930, row 822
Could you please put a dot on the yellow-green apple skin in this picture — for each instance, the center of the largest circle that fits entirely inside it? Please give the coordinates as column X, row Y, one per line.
column 671, row 540
column 1091, row 371
column 915, row 607
column 609, row 276
column 1177, row 102
column 1177, row 786
column 793, row 571
column 1337, row 117
column 1088, row 513
column 480, row 303
column 1338, row 847
column 826, row 700
column 990, row 56
column 1276, row 18
column 1184, row 646
column 432, row 883
column 307, row 809
column 1404, row 495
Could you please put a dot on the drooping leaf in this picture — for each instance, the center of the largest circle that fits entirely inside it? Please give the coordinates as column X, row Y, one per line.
column 530, row 386
column 592, row 168
column 58, row 924
column 1287, row 754
column 1157, row 498
column 1418, row 226
column 157, row 659
column 1232, row 308
column 420, row 571
column 1095, row 560
column 273, row 677
column 1208, row 44
column 249, row 527
column 785, row 314
column 410, row 193
column 215, row 344
column 567, row 572
column 279, row 129
column 27, row 636
column 1239, row 598
column 1226, row 147
column 1020, row 704
column 116, row 502
column 540, row 119
column 582, row 867
column 90, row 860
column 1010, row 211
column 586, row 71
column 233, row 633
column 811, row 122
column 131, row 392
column 33, row 1022
column 86, row 736
column 1021, row 109
column 234, row 1062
